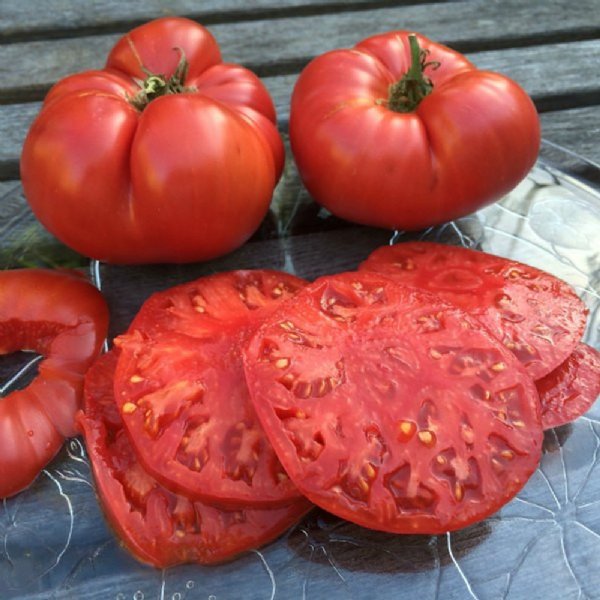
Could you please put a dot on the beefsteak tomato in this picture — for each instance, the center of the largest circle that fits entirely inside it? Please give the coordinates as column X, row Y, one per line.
column 379, row 142
column 165, row 155
column 62, row 317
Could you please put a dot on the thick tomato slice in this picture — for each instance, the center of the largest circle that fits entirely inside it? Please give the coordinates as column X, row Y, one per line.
column 157, row 526
column 181, row 389
column 62, row 317
column 534, row 314
column 391, row 408
column 571, row 389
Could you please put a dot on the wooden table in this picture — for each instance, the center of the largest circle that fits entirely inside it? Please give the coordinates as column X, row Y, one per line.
column 56, row 544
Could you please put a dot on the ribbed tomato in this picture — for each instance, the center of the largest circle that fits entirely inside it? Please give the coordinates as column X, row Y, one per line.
column 178, row 168
column 403, row 133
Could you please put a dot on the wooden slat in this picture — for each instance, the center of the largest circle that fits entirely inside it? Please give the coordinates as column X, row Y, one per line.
column 576, row 129
column 277, row 46
column 544, row 71
column 71, row 17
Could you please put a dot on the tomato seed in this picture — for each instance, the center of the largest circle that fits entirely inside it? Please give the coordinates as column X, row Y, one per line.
column 468, row 435
column 459, row 491
column 406, row 430
column 129, row 408
column 370, row 471
column 427, row 438
column 303, row 389
column 362, row 483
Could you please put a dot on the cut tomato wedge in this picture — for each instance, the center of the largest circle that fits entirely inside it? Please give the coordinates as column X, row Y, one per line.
column 157, row 526
column 390, row 408
column 571, row 389
column 181, row 390
column 534, row 314
column 65, row 319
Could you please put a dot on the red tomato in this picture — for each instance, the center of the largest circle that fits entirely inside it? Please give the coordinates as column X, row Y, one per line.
column 158, row 527
column 181, row 390
column 534, row 314
column 379, row 143
column 390, row 408
column 62, row 317
column 571, row 389
column 129, row 176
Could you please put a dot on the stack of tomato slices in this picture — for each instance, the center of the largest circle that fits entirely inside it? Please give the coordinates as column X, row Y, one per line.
column 183, row 468
column 409, row 396
column 538, row 317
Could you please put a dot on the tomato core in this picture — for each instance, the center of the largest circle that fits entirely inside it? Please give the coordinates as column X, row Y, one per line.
column 407, row 93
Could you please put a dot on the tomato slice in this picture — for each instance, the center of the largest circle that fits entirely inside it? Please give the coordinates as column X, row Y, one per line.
column 157, row 526
column 391, row 408
column 65, row 319
column 181, row 390
column 571, row 389
column 534, row 314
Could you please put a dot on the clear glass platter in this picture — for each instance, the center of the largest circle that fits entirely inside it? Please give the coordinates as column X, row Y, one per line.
column 55, row 543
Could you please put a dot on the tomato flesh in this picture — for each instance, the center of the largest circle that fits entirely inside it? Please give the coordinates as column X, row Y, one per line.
column 534, row 314
column 65, row 319
column 391, row 408
column 181, row 390
column 571, row 389
column 157, row 526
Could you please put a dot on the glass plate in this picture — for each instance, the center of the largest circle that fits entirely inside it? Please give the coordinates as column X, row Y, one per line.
column 54, row 542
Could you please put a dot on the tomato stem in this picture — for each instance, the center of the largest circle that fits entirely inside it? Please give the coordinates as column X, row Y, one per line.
column 156, row 85
column 407, row 93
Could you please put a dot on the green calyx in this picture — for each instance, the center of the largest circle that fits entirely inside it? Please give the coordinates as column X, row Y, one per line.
column 407, row 93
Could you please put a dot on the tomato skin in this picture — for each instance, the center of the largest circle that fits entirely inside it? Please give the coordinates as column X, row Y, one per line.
column 188, row 178
column 161, row 528
column 390, row 408
column 62, row 317
column 471, row 140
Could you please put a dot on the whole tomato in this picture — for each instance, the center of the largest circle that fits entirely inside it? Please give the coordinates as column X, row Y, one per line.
column 400, row 132
column 165, row 155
